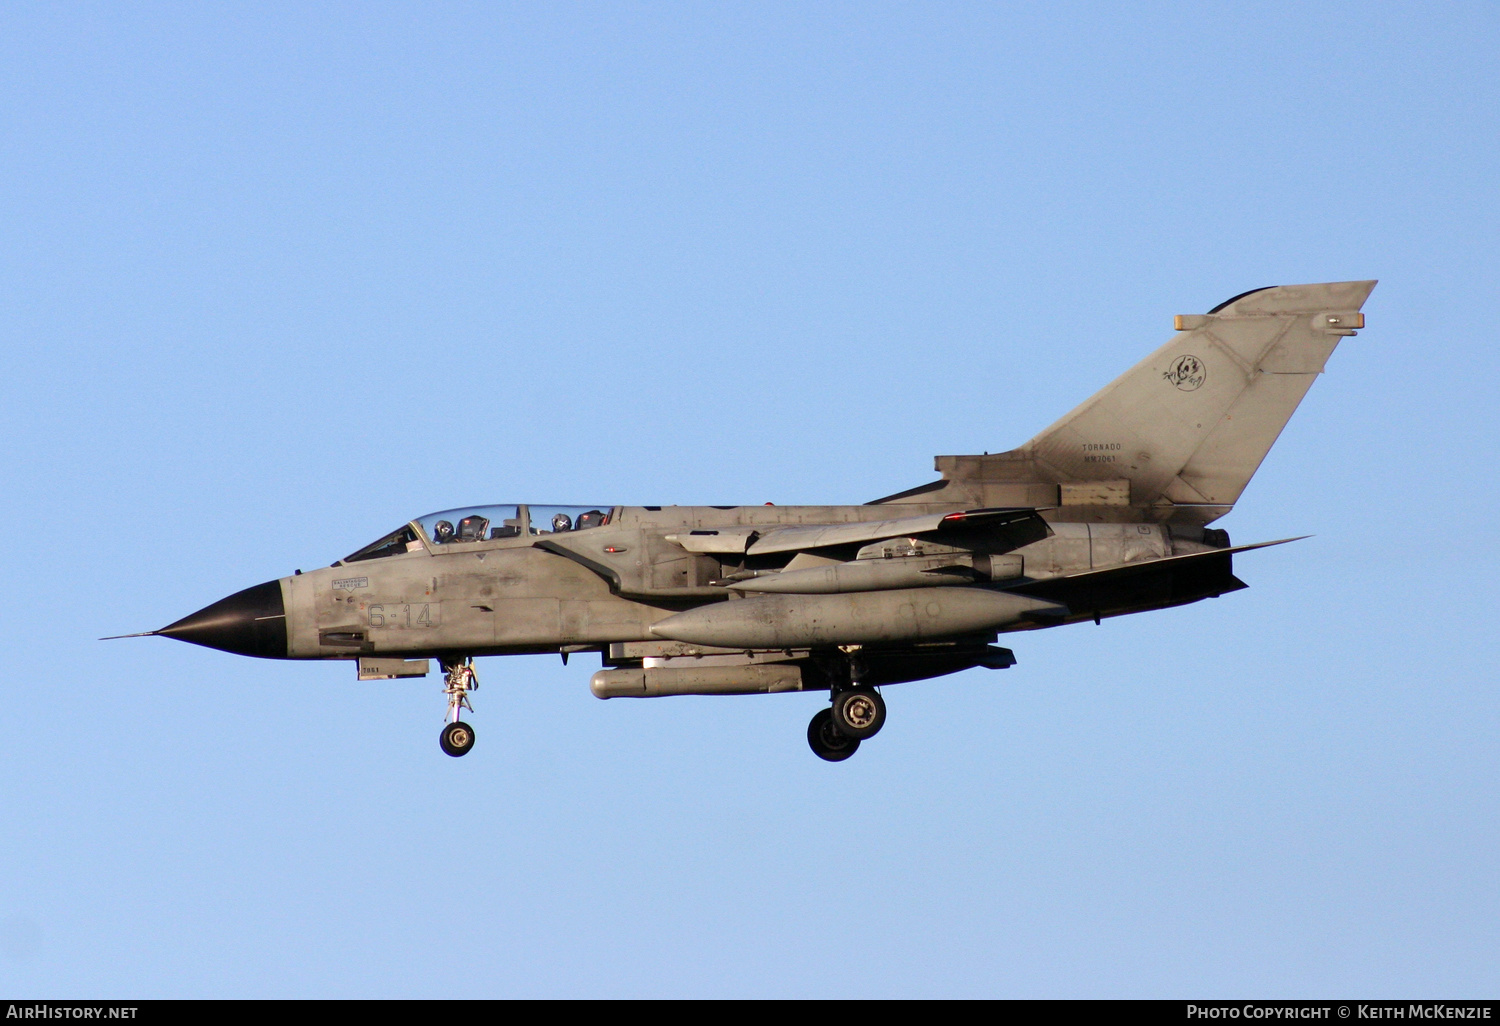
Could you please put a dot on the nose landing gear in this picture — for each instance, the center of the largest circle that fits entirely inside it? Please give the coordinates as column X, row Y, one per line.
column 459, row 679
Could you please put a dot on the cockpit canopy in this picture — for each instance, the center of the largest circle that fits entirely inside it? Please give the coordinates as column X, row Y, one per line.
column 477, row 523
column 483, row 523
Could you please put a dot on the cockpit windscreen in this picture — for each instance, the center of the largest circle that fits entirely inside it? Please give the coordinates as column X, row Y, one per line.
column 403, row 539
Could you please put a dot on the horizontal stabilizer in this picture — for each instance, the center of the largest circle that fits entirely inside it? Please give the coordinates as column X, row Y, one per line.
column 1152, row 565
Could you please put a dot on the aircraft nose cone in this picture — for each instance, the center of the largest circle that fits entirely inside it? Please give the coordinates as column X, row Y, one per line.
column 250, row 622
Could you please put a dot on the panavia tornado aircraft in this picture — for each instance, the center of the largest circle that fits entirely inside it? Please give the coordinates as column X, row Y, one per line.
column 1104, row 513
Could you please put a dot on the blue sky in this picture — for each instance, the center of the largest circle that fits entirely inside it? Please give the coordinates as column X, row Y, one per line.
column 275, row 278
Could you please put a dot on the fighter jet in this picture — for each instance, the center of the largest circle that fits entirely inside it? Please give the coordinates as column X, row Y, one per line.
column 1104, row 513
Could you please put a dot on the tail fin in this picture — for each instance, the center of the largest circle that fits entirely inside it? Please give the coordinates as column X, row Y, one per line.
column 1179, row 435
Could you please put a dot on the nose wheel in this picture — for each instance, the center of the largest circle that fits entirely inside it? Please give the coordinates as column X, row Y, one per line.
column 459, row 679
column 457, row 738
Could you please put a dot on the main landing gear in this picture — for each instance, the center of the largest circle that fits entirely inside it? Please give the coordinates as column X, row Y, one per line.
column 857, row 712
column 459, row 679
column 835, row 733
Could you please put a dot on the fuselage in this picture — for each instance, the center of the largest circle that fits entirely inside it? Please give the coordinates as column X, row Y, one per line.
column 429, row 590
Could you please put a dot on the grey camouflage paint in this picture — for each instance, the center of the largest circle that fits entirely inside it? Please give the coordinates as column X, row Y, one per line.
column 1111, row 504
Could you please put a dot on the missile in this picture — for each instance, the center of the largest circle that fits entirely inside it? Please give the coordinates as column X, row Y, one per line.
column 871, row 617
column 758, row 679
column 884, row 574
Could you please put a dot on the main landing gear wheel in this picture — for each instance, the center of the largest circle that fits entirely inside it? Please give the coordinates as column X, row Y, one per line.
column 826, row 742
column 457, row 738
column 858, row 713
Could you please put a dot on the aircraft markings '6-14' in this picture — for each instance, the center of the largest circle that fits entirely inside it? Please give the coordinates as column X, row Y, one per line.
column 1104, row 513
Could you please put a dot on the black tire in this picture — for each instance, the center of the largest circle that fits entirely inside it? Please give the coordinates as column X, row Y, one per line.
column 457, row 738
column 858, row 713
column 826, row 742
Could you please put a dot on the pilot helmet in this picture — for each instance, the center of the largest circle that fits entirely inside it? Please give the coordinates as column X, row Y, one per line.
column 561, row 522
column 442, row 531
